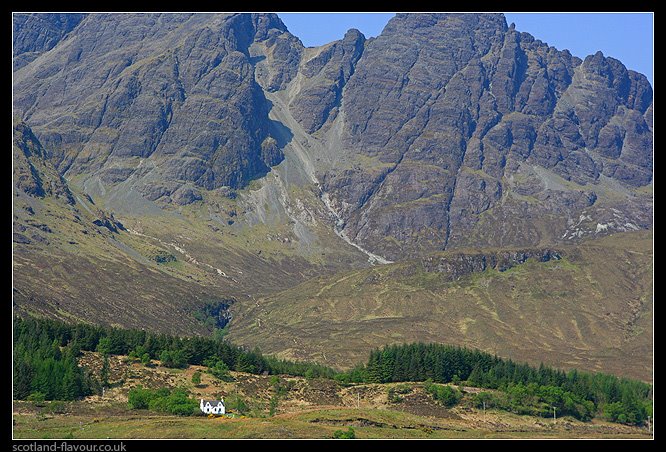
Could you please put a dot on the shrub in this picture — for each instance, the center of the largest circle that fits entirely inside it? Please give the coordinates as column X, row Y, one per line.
column 139, row 398
column 37, row 397
column 625, row 413
column 481, row 398
column 446, row 395
column 345, row 434
column 237, row 404
column 138, row 353
column 403, row 389
column 173, row 359
column 179, row 403
column 393, row 397
column 175, row 402
column 273, row 404
column 221, row 370
column 280, row 386
column 57, row 407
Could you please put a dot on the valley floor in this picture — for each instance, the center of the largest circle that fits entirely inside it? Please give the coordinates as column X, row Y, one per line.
column 308, row 408
column 320, row 422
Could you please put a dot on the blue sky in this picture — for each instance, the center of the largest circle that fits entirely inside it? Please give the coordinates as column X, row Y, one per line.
column 627, row 37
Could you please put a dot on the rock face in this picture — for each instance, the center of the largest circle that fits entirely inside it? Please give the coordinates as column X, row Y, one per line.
column 38, row 33
column 446, row 131
column 32, row 172
column 458, row 265
column 323, row 79
column 108, row 221
column 179, row 88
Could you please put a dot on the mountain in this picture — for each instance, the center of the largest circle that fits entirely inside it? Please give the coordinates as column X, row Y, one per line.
column 248, row 164
column 486, row 136
column 447, row 130
column 135, row 97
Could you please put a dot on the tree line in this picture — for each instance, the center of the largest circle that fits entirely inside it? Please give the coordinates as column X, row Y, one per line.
column 46, row 351
column 526, row 389
column 45, row 367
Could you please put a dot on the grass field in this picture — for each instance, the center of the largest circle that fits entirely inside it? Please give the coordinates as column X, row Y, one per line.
column 314, row 423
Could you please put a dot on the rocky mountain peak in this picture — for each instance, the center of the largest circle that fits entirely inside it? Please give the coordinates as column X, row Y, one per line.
column 266, row 25
column 445, row 131
column 410, row 21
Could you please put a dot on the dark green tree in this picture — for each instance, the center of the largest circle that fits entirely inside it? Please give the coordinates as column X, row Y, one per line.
column 104, row 346
column 23, row 375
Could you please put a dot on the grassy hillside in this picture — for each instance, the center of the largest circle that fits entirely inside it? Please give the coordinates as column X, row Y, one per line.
column 169, row 262
column 592, row 310
column 75, row 270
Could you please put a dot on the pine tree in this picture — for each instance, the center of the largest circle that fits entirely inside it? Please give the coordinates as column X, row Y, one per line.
column 476, row 378
column 23, row 374
column 244, row 363
column 387, row 366
column 41, row 381
column 70, row 384
column 374, row 369
column 104, row 346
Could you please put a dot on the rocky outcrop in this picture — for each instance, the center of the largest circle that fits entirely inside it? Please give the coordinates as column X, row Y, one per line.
column 32, row 172
column 17, row 237
column 108, row 221
column 454, row 266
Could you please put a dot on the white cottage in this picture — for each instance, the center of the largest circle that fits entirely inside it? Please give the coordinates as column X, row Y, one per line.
column 212, row 406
